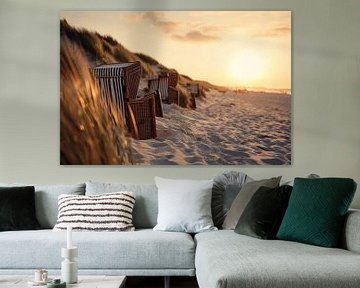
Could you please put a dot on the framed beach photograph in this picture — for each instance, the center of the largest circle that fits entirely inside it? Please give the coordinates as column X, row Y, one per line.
column 175, row 88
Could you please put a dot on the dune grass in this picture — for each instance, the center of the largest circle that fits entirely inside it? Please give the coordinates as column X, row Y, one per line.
column 91, row 132
column 104, row 49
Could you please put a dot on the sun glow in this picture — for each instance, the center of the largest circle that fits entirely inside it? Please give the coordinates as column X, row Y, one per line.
column 247, row 69
column 227, row 48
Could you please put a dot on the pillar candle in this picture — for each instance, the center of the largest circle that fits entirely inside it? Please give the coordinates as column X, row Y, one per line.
column 69, row 237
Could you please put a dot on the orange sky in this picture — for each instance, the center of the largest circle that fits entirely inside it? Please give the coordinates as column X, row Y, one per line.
column 230, row 48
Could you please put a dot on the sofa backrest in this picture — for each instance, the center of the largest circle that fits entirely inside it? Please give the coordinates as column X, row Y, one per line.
column 146, row 203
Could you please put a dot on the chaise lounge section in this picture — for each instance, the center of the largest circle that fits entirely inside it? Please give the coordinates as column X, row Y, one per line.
column 226, row 259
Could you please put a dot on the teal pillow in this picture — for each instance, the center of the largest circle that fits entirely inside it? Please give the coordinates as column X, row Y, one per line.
column 316, row 211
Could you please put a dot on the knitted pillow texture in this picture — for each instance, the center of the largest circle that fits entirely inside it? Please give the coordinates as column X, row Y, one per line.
column 105, row 212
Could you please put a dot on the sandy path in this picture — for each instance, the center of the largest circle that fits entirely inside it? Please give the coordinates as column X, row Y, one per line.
column 226, row 128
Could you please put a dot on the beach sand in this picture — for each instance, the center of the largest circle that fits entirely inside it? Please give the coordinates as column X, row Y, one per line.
column 228, row 128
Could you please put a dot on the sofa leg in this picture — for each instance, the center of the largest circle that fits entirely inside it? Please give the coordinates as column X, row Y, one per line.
column 167, row 282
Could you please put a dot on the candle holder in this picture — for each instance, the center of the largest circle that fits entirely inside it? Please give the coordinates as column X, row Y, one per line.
column 68, row 265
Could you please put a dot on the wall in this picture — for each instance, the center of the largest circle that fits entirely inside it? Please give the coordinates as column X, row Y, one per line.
column 326, row 91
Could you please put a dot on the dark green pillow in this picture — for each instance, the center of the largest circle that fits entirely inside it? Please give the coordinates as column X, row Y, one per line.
column 263, row 214
column 316, row 211
column 17, row 208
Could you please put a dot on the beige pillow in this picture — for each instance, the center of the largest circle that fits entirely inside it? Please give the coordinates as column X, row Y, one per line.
column 243, row 198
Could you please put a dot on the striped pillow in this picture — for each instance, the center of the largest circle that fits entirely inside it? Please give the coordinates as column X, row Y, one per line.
column 105, row 212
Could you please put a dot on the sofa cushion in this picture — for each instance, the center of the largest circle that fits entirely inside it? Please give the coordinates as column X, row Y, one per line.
column 263, row 215
column 146, row 204
column 243, row 198
column 350, row 239
column 46, row 200
column 225, row 259
column 142, row 249
column 225, row 189
column 105, row 212
column 317, row 209
column 184, row 205
column 17, row 208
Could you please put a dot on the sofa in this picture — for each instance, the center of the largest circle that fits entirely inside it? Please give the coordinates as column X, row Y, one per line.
column 218, row 258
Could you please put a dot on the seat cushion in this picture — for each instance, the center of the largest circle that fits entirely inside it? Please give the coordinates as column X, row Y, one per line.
column 226, row 259
column 143, row 249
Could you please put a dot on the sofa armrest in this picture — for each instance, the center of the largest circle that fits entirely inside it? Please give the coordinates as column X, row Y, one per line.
column 351, row 234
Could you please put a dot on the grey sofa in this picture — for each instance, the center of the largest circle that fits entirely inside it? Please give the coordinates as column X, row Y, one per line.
column 218, row 259
column 226, row 259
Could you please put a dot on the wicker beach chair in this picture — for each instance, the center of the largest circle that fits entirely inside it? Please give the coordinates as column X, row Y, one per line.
column 172, row 91
column 192, row 101
column 118, row 83
column 194, row 89
column 153, row 86
column 142, row 117
column 166, row 83
column 129, row 74
column 173, row 78
column 159, row 112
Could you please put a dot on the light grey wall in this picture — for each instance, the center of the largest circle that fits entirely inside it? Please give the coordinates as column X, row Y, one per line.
column 326, row 90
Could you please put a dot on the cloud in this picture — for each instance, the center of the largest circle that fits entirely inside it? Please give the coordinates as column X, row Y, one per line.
column 195, row 36
column 215, row 28
column 157, row 19
column 275, row 32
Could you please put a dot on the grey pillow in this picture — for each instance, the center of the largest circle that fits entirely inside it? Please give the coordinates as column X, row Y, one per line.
column 146, row 204
column 243, row 198
column 184, row 205
column 46, row 200
column 310, row 176
column 226, row 187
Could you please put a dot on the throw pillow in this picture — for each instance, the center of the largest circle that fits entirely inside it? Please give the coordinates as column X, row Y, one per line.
column 146, row 205
column 243, row 198
column 263, row 215
column 17, row 208
column 106, row 212
column 311, row 176
column 316, row 211
column 226, row 187
column 184, row 205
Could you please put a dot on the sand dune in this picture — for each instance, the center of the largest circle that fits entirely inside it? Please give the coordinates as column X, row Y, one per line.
column 226, row 129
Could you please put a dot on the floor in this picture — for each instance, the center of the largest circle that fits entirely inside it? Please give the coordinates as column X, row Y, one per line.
column 158, row 282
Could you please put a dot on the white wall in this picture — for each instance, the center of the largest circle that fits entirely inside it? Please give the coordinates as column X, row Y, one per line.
column 326, row 91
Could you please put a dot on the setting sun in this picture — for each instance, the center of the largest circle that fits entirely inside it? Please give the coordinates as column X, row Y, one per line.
column 247, row 69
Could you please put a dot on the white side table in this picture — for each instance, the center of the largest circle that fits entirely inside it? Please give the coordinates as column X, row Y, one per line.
column 84, row 281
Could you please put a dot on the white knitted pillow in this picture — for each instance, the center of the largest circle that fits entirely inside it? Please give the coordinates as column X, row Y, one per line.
column 105, row 212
